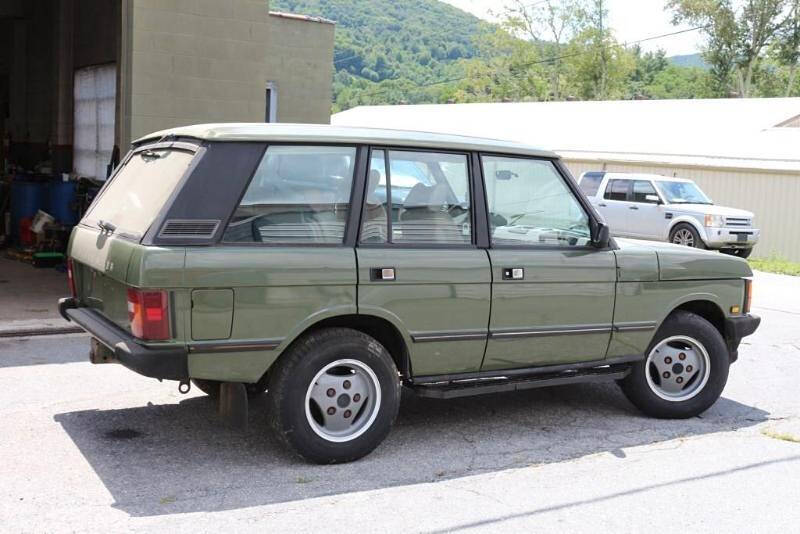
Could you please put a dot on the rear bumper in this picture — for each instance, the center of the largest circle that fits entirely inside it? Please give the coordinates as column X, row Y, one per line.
column 168, row 363
column 737, row 328
column 730, row 237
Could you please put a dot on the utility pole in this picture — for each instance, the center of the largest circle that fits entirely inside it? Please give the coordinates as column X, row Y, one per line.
column 603, row 59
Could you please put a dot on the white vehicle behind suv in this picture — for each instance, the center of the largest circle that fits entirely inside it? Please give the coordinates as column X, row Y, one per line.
column 649, row 206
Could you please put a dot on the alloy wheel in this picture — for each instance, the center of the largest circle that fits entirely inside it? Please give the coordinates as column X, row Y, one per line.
column 343, row 400
column 677, row 369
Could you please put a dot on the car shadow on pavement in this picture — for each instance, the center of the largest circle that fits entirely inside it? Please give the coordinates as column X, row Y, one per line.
column 179, row 458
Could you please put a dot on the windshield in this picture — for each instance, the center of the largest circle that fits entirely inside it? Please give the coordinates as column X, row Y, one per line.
column 139, row 190
column 682, row 193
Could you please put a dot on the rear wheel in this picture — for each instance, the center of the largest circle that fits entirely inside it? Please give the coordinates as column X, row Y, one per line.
column 686, row 235
column 334, row 395
column 685, row 370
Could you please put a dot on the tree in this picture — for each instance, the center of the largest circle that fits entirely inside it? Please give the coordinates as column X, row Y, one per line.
column 787, row 49
column 737, row 36
column 550, row 24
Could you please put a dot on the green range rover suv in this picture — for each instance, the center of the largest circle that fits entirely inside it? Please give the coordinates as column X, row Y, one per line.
column 329, row 267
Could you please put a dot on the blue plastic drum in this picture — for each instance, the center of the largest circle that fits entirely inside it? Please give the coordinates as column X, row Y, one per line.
column 61, row 203
column 26, row 199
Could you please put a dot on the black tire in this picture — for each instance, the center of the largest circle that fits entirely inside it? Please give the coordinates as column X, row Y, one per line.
column 685, row 227
column 681, row 323
column 211, row 387
column 738, row 252
column 292, row 377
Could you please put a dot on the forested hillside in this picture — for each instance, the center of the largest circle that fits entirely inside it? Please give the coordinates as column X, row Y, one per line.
column 422, row 51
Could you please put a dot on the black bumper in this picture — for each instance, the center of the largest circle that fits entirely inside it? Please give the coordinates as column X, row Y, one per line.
column 738, row 327
column 163, row 363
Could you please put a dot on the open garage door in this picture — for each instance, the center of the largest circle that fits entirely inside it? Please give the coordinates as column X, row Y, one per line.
column 95, row 105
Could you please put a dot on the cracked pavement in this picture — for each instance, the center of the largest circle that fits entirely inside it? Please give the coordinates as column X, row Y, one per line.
column 99, row 448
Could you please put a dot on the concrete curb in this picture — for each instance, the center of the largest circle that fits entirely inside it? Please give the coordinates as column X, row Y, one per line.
column 38, row 327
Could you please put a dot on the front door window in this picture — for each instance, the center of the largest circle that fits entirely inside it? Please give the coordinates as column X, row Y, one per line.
column 530, row 204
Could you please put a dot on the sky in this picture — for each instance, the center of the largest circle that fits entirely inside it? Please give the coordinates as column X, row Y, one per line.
column 631, row 20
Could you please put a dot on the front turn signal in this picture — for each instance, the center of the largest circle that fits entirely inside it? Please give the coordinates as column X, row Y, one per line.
column 748, row 295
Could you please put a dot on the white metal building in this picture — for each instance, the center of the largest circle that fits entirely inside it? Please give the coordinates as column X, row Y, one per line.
column 744, row 153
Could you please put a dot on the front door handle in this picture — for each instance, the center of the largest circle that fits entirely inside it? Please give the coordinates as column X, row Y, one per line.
column 513, row 273
column 382, row 274
column 602, row 205
column 633, row 207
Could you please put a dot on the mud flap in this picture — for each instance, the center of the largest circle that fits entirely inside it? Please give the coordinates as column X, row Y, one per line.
column 233, row 404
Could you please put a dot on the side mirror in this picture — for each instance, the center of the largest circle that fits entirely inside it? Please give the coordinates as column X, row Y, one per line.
column 601, row 236
column 653, row 198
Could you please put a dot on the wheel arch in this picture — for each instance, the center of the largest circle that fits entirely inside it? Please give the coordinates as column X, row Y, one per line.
column 379, row 328
column 705, row 308
column 691, row 221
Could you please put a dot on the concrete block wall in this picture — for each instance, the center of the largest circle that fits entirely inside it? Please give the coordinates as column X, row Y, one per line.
column 195, row 61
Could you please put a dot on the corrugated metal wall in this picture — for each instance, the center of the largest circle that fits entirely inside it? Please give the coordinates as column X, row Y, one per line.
column 773, row 197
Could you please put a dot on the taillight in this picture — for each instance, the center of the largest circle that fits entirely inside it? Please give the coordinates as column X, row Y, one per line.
column 148, row 312
column 71, row 278
column 748, row 295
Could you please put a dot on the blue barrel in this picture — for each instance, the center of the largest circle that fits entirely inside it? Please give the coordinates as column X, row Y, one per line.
column 61, row 202
column 26, row 199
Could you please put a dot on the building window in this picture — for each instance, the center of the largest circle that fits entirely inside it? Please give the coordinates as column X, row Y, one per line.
column 272, row 103
column 95, row 97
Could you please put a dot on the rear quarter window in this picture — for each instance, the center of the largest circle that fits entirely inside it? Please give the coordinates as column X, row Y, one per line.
column 138, row 191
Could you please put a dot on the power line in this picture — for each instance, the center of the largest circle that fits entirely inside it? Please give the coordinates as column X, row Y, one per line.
column 379, row 90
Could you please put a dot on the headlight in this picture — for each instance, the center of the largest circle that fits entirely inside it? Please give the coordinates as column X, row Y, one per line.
column 714, row 221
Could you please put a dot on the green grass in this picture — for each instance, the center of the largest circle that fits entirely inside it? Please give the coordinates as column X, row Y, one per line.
column 774, row 264
column 783, row 436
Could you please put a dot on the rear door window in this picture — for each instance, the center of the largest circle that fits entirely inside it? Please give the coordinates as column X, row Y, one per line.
column 422, row 199
column 137, row 193
column 617, row 190
column 299, row 194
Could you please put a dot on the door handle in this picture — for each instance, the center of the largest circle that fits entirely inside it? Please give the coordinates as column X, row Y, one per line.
column 384, row 274
column 513, row 273
column 602, row 205
column 633, row 207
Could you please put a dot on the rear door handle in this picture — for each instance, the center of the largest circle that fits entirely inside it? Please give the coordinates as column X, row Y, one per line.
column 602, row 205
column 513, row 273
column 633, row 207
column 382, row 274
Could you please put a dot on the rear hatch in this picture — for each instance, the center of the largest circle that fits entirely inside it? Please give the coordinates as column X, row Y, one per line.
column 107, row 238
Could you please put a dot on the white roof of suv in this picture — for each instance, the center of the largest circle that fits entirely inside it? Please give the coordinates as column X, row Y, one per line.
column 643, row 176
column 323, row 133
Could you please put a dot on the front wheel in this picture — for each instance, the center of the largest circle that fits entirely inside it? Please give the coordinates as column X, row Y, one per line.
column 686, row 235
column 685, row 370
column 334, row 395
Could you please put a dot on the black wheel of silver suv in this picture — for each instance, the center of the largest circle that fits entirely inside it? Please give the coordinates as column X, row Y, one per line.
column 685, row 234
column 684, row 371
column 334, row 395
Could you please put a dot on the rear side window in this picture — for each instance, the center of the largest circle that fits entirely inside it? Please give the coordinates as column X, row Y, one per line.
column 590, row 183
column 617, row 190
column 298, row 195
column 135, row 195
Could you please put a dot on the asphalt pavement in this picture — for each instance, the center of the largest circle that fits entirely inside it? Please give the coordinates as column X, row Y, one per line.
column 99, row 448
